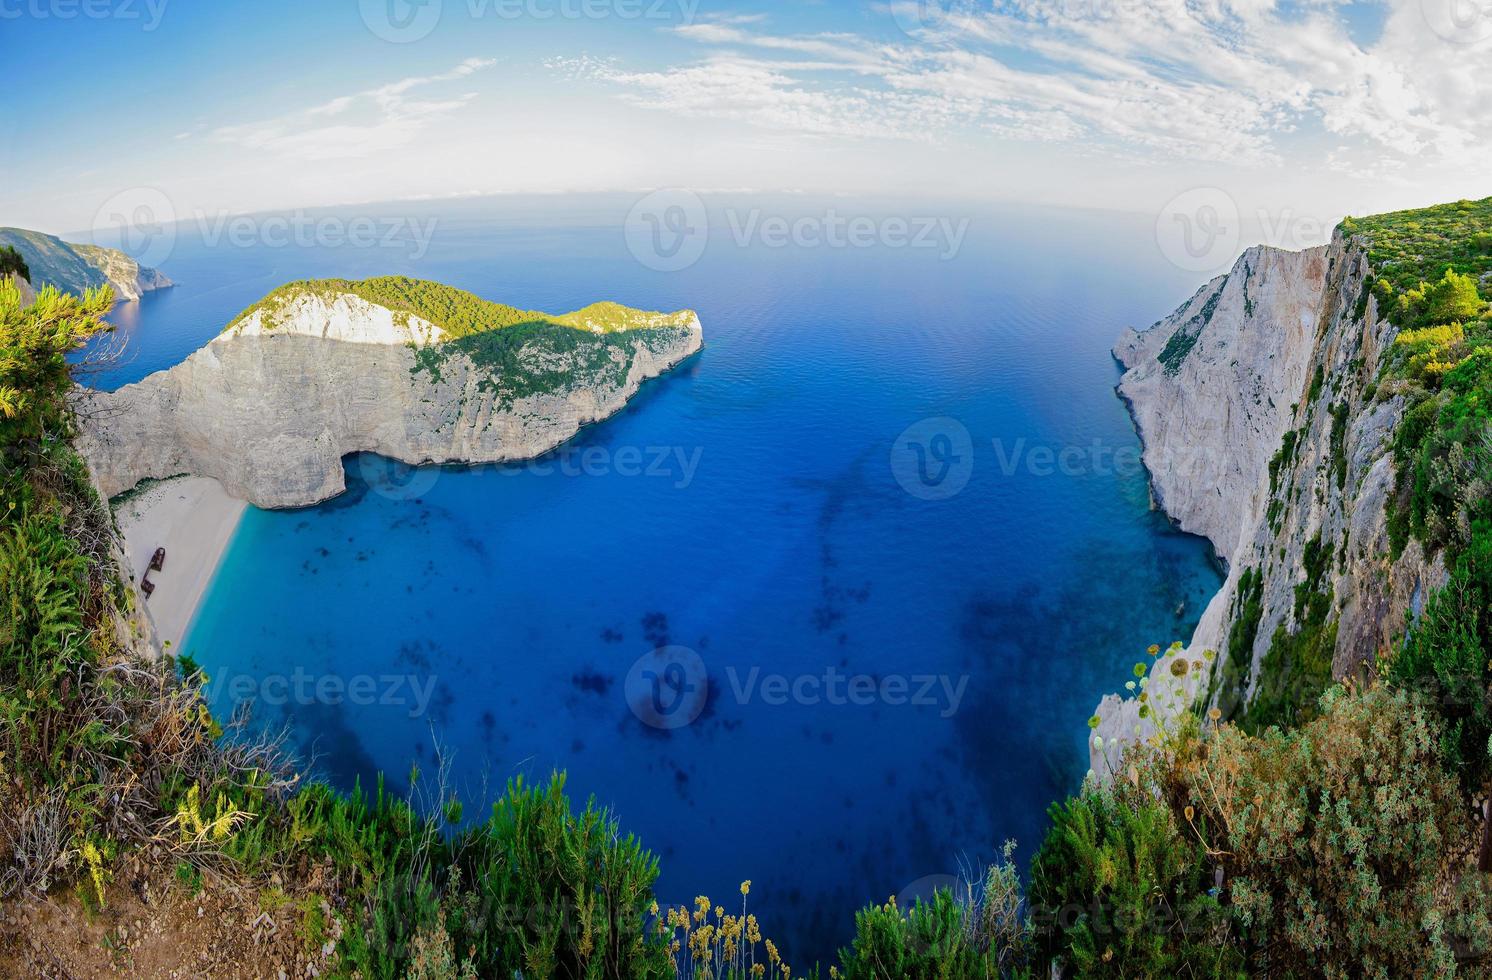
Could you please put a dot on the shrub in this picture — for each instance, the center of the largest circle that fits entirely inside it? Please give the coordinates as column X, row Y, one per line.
column 11, row 263
column 1445, row 656
column 1342, row 842
column 982, row 932
column 1117, row 890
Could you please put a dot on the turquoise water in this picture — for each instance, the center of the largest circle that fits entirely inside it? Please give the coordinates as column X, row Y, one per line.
column 762, row 514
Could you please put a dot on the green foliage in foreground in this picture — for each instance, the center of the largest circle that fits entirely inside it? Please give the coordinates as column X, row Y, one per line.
column 982, row 932
column 1336, row 849
column 1125, row 893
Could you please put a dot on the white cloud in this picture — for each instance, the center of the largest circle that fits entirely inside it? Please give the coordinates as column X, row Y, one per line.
column 1224, row 81
column 353, row 126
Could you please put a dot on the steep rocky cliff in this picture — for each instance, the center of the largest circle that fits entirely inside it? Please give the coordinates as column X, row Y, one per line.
column 73, row 267
column 1264, row 430
column 270, row 407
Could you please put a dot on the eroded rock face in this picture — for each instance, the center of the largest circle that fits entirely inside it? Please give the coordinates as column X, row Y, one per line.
column 270, row 410
column 1210, row 388
column 129, row 278
column 1263, row 432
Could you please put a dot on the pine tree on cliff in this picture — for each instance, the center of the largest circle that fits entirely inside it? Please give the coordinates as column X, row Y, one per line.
column 11, row 262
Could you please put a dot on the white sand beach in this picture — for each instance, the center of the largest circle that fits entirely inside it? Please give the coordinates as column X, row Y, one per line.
column 193, row 518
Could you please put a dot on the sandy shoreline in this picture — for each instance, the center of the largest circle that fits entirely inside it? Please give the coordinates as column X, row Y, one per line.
column 193, row 518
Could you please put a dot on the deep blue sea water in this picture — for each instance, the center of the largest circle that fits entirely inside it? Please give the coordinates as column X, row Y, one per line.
column 752, row 509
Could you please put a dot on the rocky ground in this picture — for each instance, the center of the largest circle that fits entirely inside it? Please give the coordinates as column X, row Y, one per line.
column 153, row 925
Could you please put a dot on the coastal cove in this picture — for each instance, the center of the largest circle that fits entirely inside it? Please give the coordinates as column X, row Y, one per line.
column 746, row 507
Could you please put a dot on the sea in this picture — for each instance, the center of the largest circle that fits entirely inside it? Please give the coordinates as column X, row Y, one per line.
column 826, row 607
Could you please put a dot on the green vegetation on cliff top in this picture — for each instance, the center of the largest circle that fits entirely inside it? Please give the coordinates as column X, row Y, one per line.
column 1407, row 248
column 1432, row 270
column 462, row 314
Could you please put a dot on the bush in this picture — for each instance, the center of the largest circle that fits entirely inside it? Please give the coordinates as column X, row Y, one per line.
column 1445, row 656
column 1118, row 891
column 554, row 893
column 1340, row 848
column 1343, row 842
column 11, row 263
column 981, row 933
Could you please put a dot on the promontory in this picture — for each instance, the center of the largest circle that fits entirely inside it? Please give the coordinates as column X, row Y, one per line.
column 410, row 369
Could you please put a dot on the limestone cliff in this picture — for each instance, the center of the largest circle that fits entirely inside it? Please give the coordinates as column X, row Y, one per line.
column 270, row 406
column 1263, row 431
column 73, row 267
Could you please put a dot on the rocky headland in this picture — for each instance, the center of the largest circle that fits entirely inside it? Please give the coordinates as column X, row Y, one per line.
column 1265, row 430
column 74, row 267
column 415, row 371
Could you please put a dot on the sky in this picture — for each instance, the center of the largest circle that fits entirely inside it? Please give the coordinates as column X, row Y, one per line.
column 1296, row 113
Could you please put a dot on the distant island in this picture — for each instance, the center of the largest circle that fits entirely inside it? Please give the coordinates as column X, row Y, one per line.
column 410, row 369
column 73, row 267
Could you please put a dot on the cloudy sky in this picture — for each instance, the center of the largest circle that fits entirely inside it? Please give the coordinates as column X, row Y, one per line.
column 1312, row 108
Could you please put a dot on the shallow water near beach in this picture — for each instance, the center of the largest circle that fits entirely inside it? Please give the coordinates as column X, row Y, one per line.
column 897, row 653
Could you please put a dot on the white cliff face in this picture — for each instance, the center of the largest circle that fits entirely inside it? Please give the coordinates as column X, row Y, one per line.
column 1262, row 432
column 270, row 412
column 344, row 317
column 1213, row 413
